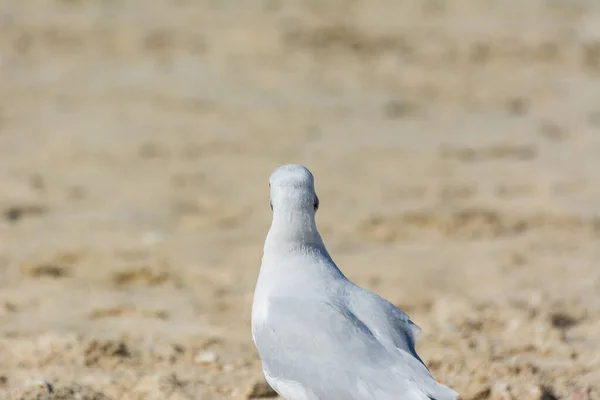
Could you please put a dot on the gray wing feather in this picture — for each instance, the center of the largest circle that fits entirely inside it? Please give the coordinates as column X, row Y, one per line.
column 327, row 349
column 388, row 322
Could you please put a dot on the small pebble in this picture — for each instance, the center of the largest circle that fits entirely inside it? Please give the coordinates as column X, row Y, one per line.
column 228, row 368
column 501, row 390
column 206, row 357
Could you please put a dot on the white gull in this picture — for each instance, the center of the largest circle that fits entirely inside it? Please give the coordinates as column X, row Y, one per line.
column 320, row 336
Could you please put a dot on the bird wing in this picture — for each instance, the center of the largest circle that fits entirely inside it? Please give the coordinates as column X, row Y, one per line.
column 324, row 349
column 388, row 322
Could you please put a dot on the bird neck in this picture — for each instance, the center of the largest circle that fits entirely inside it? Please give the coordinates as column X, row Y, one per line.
column 291, row 229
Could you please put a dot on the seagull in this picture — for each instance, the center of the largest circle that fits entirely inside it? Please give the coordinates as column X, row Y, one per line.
column 319, row 335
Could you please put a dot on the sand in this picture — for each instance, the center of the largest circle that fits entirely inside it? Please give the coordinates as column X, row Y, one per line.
column 456, row 149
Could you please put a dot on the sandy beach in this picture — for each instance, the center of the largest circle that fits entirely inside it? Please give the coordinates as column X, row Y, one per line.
column 456, row 153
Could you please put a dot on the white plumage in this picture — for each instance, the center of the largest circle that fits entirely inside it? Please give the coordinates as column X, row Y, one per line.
column 320, row 336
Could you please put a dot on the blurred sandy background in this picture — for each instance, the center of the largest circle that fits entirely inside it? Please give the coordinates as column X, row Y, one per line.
column 456, row 149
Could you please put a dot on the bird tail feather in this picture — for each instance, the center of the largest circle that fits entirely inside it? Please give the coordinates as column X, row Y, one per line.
column 443, row 393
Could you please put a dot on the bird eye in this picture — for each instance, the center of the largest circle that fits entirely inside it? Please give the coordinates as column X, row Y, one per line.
column 316, row 203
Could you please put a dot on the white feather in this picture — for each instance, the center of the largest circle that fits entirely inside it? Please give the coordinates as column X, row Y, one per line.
column 320, row 336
